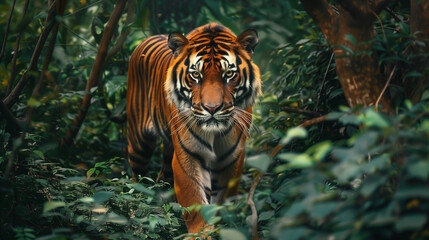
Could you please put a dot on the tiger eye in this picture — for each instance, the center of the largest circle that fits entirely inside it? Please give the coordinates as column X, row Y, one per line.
column 195, row 74
column 229, row 73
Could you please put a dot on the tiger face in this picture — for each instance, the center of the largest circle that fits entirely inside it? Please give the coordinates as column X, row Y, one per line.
column 213, row 80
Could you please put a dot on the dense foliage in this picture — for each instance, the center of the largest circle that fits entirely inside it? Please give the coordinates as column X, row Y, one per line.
column 359, row 174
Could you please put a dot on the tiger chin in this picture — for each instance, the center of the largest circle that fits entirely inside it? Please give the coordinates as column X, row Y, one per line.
column 195, row 92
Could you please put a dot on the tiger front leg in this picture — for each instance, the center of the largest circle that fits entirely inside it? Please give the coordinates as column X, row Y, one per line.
column 189, row 188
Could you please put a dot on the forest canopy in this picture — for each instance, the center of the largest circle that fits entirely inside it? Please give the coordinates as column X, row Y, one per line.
column 338, row 148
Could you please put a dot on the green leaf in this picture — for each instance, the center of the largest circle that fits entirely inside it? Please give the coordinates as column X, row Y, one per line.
column 295, row 132
column 102, row 196
column 90, row 172
column 345, row 171
column 209, row 211
column 425, row 95
column 413, row 74
column 265, row 216
column 345, row 48
column 272, row 99
column 32, row 102
column 300, row 160
column 115, row 218
column 139, row 187
column 411, row 222
column 408, row 192
column 48, row 206
column 419, row 170
column 351, row 119
column 231, row 234
column 260, row 162
column 372, row 183
column 320, row 210
column 293, row 233
column 373, row 119
column 38, row 154
column 86, row 200
column 351, row 38
column 320, row 150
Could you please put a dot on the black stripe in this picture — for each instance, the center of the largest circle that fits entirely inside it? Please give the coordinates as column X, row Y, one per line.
column 202, row 141
column 227, row 166
column 208, row 193
column 194, row 155
column 230, row 151
column 226, row 132
column 138, row 160
column 157, row 127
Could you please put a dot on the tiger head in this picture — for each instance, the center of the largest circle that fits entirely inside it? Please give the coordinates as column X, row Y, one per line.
column 212, row 79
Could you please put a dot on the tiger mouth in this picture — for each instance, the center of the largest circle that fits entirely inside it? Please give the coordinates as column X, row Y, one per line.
column 213, row 124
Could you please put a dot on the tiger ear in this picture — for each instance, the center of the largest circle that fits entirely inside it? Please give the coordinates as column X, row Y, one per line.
column 176, row 42
column 248, row 40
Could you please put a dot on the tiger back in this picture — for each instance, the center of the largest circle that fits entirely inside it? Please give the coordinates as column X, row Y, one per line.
column 196, row 92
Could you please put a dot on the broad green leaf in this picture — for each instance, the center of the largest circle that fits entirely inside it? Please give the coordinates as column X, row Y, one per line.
column 411, row 222
column 419, row 170
column 425, row 95
column 102, row 196
column 301, row 160
column 260, row 161
column 408, row 192
column 320, row 210
column 413, row 74
column 86, row 199
column 267, row 215
column 209, row 211
column 139, row 187
column 377, row 163
column 214, row 220
column 351, row 119
column 296, row 209
column 272, row 99
column 115, row 218
column 295, row 132
column 372, row 183
column 320, row 150
column 48, row 206
column 32, row 102
column 345, row 171
column 232, row 234
column 351, row 38
column 39, row 154
column 293, row 233
column 373, row 119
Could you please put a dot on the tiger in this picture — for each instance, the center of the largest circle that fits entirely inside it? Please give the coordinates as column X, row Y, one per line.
column 196, row 92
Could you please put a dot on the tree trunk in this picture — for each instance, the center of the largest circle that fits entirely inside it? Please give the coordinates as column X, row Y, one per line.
column 350, row 32
column 419, row 25
column 95, row 75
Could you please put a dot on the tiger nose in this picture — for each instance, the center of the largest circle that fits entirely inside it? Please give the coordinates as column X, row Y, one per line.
column 212, row 109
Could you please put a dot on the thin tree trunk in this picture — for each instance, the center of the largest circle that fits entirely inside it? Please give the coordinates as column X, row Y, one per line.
column 96, row 72
column 419, row 25
column 350, row 32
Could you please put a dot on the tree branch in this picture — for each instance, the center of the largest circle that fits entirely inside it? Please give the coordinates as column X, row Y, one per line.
column 124, row 33
column 95, row 74
column 252, row 206
column 313, row 121
column 36, row 91
column 300, row 111
column 49, row 24
column 13, row 125
column 7, row 30
column 15, row 54
column 379, row 5
column 323, row 15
